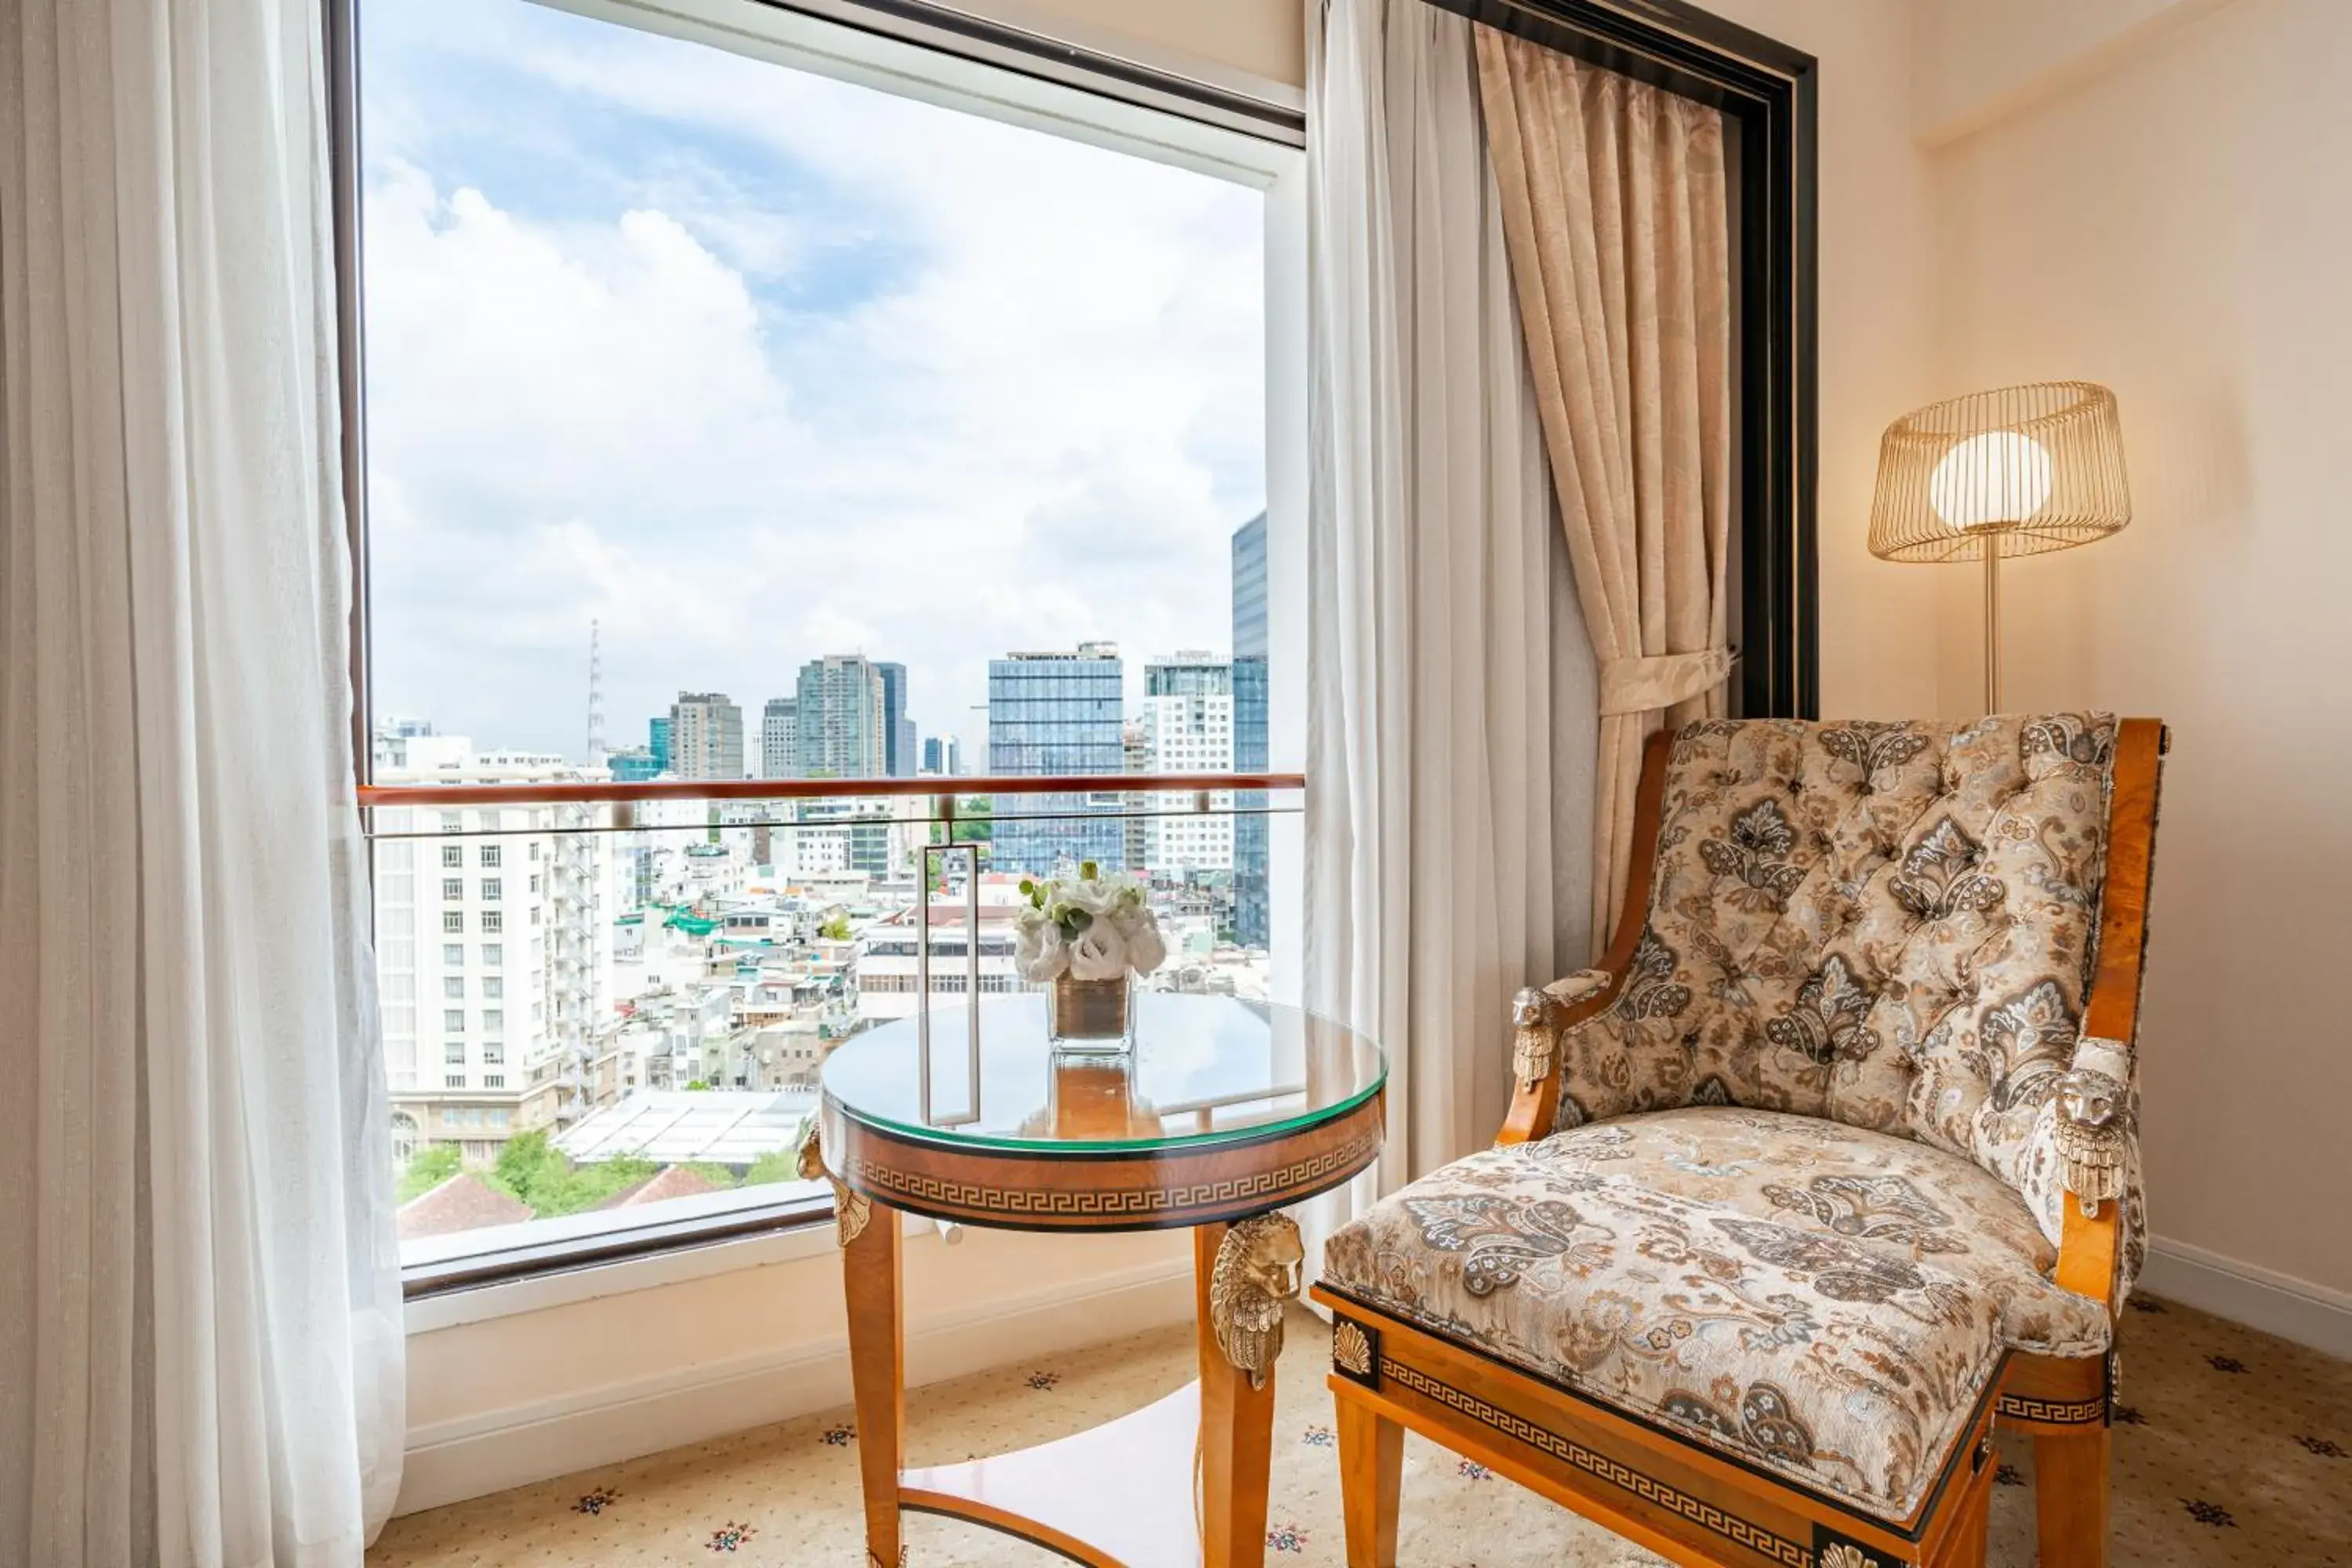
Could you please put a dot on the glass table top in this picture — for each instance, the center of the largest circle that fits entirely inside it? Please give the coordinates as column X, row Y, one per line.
column 1204, row 1069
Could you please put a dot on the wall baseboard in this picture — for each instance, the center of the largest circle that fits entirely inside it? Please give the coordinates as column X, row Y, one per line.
column 2259, row 1298
column 450, row 1461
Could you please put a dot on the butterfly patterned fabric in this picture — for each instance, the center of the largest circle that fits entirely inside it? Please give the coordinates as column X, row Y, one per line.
column 1820, row 1299
column 1888, row 925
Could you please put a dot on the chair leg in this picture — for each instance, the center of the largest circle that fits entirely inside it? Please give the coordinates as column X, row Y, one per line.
column 1371, row 1475
column 2070, row 1487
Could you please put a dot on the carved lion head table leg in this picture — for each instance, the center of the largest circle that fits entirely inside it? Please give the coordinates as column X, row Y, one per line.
column 1245, row 1276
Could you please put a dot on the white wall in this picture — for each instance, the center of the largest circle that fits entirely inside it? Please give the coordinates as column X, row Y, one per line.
column 713, row 1342
column 1877, row 343
column 1982, row 59
column 2176, row 225
column 1266, row 39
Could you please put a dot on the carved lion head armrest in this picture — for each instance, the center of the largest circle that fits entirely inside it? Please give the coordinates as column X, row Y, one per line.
column 1540, row 1019
column 2094, row 1130
column 1539, row 1016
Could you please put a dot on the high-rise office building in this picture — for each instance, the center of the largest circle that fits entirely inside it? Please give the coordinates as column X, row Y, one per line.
column 841, row 734
column 706, row 736
column 943, row 755
column 1251, row 918
column 1138, row 827
column 780, row 755
column 632, row 765
column 1188, row 728
column 1052, row 713
column 657, row 744
column 1192, row 672
column 897, row 729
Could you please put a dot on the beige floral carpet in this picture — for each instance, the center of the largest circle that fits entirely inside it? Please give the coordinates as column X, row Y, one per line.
column 2230, row 1447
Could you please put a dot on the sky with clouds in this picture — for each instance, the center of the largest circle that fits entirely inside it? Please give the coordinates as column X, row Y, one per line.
column 750, row 365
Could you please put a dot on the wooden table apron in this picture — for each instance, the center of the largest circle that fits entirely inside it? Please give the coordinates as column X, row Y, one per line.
column 1083, row 1496
column 1172, row 1188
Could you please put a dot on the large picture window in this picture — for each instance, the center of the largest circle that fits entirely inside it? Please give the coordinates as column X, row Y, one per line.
column 755, row 404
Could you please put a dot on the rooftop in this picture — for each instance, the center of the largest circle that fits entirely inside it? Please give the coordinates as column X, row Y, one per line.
column 726, row 1127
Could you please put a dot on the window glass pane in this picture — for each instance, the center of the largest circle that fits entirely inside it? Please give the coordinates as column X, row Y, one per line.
column 871, row 438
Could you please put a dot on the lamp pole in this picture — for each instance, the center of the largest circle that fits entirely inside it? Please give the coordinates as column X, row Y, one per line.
column 1992, row 622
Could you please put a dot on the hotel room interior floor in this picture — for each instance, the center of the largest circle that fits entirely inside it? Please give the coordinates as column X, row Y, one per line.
column 2230, row 1447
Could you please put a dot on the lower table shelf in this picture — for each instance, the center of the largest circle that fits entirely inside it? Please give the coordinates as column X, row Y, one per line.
column 1119, row 1495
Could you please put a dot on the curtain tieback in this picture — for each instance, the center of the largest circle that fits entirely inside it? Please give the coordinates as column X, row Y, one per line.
column 1661, row 680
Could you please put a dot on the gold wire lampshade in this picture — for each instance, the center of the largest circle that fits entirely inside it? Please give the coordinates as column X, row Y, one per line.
column 2016, row 472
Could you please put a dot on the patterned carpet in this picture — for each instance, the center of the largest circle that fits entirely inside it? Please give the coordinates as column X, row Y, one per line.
column 2230, row 1447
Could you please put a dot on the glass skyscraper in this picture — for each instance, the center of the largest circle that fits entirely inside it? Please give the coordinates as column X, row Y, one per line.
column 837, row 718
column 1251, row 751
column 897, row 729
column 1057, row 713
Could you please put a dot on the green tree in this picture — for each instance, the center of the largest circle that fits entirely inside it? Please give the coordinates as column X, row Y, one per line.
column 538, row 1175
column 776, row 1165
column 835, row 928
column 427, row 1169
column 973, row 824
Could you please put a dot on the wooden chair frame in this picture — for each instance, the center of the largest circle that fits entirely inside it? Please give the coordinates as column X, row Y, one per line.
column 1691, row 1504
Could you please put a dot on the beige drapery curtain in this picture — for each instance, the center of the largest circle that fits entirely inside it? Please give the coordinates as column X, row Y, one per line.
column 1616, row 215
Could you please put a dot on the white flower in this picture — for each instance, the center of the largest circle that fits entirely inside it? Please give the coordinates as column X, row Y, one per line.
column 1146, row 949
column 1038, row 952
column 1095, row 928
column 1099, row 953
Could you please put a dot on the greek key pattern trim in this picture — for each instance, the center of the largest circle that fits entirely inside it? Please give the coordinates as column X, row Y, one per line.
column 1262, row 1188
column 1649, row 1488
column 2055, row 1412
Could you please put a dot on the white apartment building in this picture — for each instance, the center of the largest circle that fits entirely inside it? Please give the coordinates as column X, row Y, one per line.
column 1188, row 728
column 493, row 948
column 887, row 959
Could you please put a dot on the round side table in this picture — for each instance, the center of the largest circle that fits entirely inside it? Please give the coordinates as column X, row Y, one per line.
column 1224, row 1112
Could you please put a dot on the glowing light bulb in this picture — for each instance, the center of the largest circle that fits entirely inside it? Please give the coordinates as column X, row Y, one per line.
column 1987, row 480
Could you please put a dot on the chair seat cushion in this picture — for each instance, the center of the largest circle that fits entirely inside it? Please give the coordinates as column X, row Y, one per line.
column 1824, row 1301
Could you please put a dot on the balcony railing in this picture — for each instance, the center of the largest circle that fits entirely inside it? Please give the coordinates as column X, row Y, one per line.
column 635, row 791
column 945, row 815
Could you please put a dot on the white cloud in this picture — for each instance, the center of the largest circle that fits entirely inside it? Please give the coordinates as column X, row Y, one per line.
column 967, row 387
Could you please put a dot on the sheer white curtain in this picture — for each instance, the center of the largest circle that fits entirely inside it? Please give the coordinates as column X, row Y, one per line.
column 1451, row 689
column 200, row 1342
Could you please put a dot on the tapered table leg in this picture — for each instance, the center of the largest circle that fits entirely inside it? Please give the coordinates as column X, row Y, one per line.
column 877, row 1374
column 1236, row 1435
column 1371, row 1481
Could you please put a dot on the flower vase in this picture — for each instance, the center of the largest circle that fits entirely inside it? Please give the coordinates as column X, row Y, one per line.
column 1090, row 1017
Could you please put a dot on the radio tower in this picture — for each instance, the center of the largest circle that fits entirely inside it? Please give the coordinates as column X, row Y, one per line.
column 595, row 699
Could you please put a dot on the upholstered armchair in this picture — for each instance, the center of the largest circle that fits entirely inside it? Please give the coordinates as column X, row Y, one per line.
column 1833, row 1161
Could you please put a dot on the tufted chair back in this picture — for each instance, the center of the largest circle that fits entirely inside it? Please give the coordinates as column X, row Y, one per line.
column 1888, row 925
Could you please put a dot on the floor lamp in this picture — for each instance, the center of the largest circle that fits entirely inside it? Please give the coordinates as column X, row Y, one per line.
column 2013, row 472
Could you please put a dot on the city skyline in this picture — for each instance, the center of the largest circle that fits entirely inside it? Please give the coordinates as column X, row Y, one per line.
column 755, row 716
column 683, row 343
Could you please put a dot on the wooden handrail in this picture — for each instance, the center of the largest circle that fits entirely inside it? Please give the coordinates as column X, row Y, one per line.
column 813, row 789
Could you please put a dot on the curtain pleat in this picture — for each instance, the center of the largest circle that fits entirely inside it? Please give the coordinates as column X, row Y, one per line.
column 200, row 1343
column 1451, row 689
column 1616, row 213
